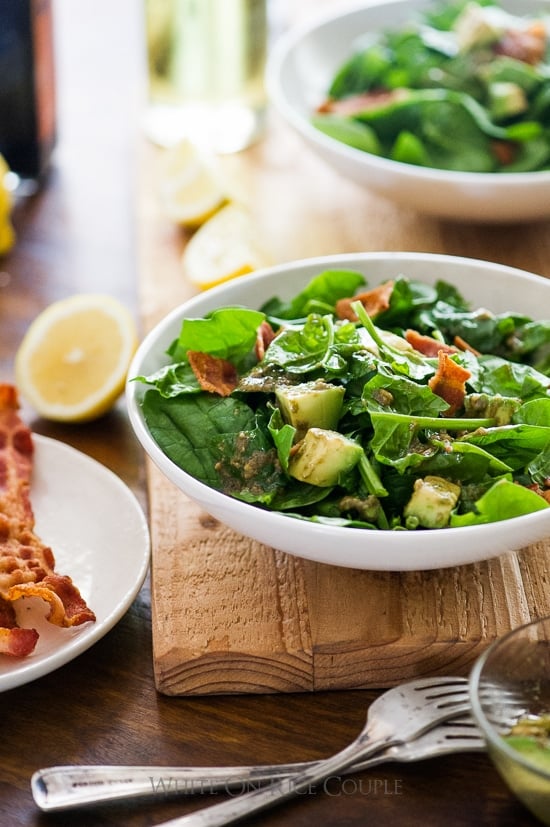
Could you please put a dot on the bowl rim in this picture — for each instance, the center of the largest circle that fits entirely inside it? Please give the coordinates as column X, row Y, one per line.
column 394, row 541
column 289, row 40
column 487, row 729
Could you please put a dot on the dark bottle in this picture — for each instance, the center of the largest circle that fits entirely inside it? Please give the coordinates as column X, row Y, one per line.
column 27, row 86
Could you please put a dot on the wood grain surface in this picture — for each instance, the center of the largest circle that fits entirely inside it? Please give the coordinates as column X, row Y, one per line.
column 232, row 616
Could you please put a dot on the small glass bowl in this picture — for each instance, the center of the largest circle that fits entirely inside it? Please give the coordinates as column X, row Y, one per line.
column 509, row 682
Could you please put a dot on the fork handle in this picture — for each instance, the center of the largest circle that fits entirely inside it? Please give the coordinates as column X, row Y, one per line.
column 245, row 805
column 63, row 787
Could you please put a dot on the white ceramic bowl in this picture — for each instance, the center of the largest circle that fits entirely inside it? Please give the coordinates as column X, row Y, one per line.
column 299, row 71
column 491, row 285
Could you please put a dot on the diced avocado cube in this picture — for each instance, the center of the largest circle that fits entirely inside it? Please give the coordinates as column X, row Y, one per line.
column 322, row 456
column 506, row 99
column 310, row 405
column 432, row 501
column 475, row 26
column 499, row 408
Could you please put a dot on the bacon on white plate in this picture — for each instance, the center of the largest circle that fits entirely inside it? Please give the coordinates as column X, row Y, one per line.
column 27, row 565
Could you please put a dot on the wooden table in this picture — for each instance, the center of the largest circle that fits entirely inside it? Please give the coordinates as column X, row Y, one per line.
column 80, row 234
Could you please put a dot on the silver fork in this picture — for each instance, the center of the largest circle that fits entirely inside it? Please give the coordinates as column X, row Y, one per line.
column 398, row 715
column 59, row 788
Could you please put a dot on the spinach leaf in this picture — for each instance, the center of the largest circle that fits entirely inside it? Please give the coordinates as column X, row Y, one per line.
column 364, row 70
column 401, row 360
column 481, row 329
column 189, row 429
column 229, row 333
column 498, row 376
column 320, row 295
column 298, row 495
column 463, row 462
column 248, row 467
column 305, row 348
column 539, row 468
column 502, row 501
column 349, row 131
column 535, row 412
column 172, row 380
column 407, row 298
column 396, row 444
column 387, row 392
column 283, row 437
column 531, row 339
column 516, row 445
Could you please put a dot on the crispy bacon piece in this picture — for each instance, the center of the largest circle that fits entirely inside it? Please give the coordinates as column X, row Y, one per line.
column 361, row 102
column 265, row 336
column 26, row 563
column 462, row 344
column 542, row 492
column 528, row 45
column 67, row 608
column 214, row 375
column 13, row 640
column 427, row 345
column 449, row 382
column 504, row 151
column 16, row 455
column 374, row 301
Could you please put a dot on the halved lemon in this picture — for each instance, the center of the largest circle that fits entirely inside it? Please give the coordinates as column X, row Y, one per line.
column 225, row 247
column 190, row 185
column 72, row 362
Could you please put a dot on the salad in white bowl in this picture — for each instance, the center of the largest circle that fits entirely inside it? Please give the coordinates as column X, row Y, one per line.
column 462, row 86
column 442, row 107
column 370, row 396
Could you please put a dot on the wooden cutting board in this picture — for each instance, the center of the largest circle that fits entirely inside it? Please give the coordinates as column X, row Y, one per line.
column 232, row 616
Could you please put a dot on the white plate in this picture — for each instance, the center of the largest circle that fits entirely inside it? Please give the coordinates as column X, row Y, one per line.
column 100, row 538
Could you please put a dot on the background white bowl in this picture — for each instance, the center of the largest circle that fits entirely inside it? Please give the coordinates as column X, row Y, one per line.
column 494, row 286
column 300, row 69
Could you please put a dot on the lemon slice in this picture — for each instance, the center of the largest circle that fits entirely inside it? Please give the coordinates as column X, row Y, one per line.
column 191, row 186
column 72, row 363
column 225, row 247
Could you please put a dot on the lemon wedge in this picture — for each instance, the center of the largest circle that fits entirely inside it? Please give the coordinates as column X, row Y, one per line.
column 72, row 362
column 225, row 247
column 191, row 187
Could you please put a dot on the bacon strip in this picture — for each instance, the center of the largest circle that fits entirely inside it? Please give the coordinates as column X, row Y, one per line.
column 265, row 336
column 462, row 344
column 26, row 563
column 213, row 374
column 374, row 301
column 449, row 382
column 427, row 345
column 13, row 640
column 528, row 45
column 504, row 151
column 362, row 102
column 16, row 455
